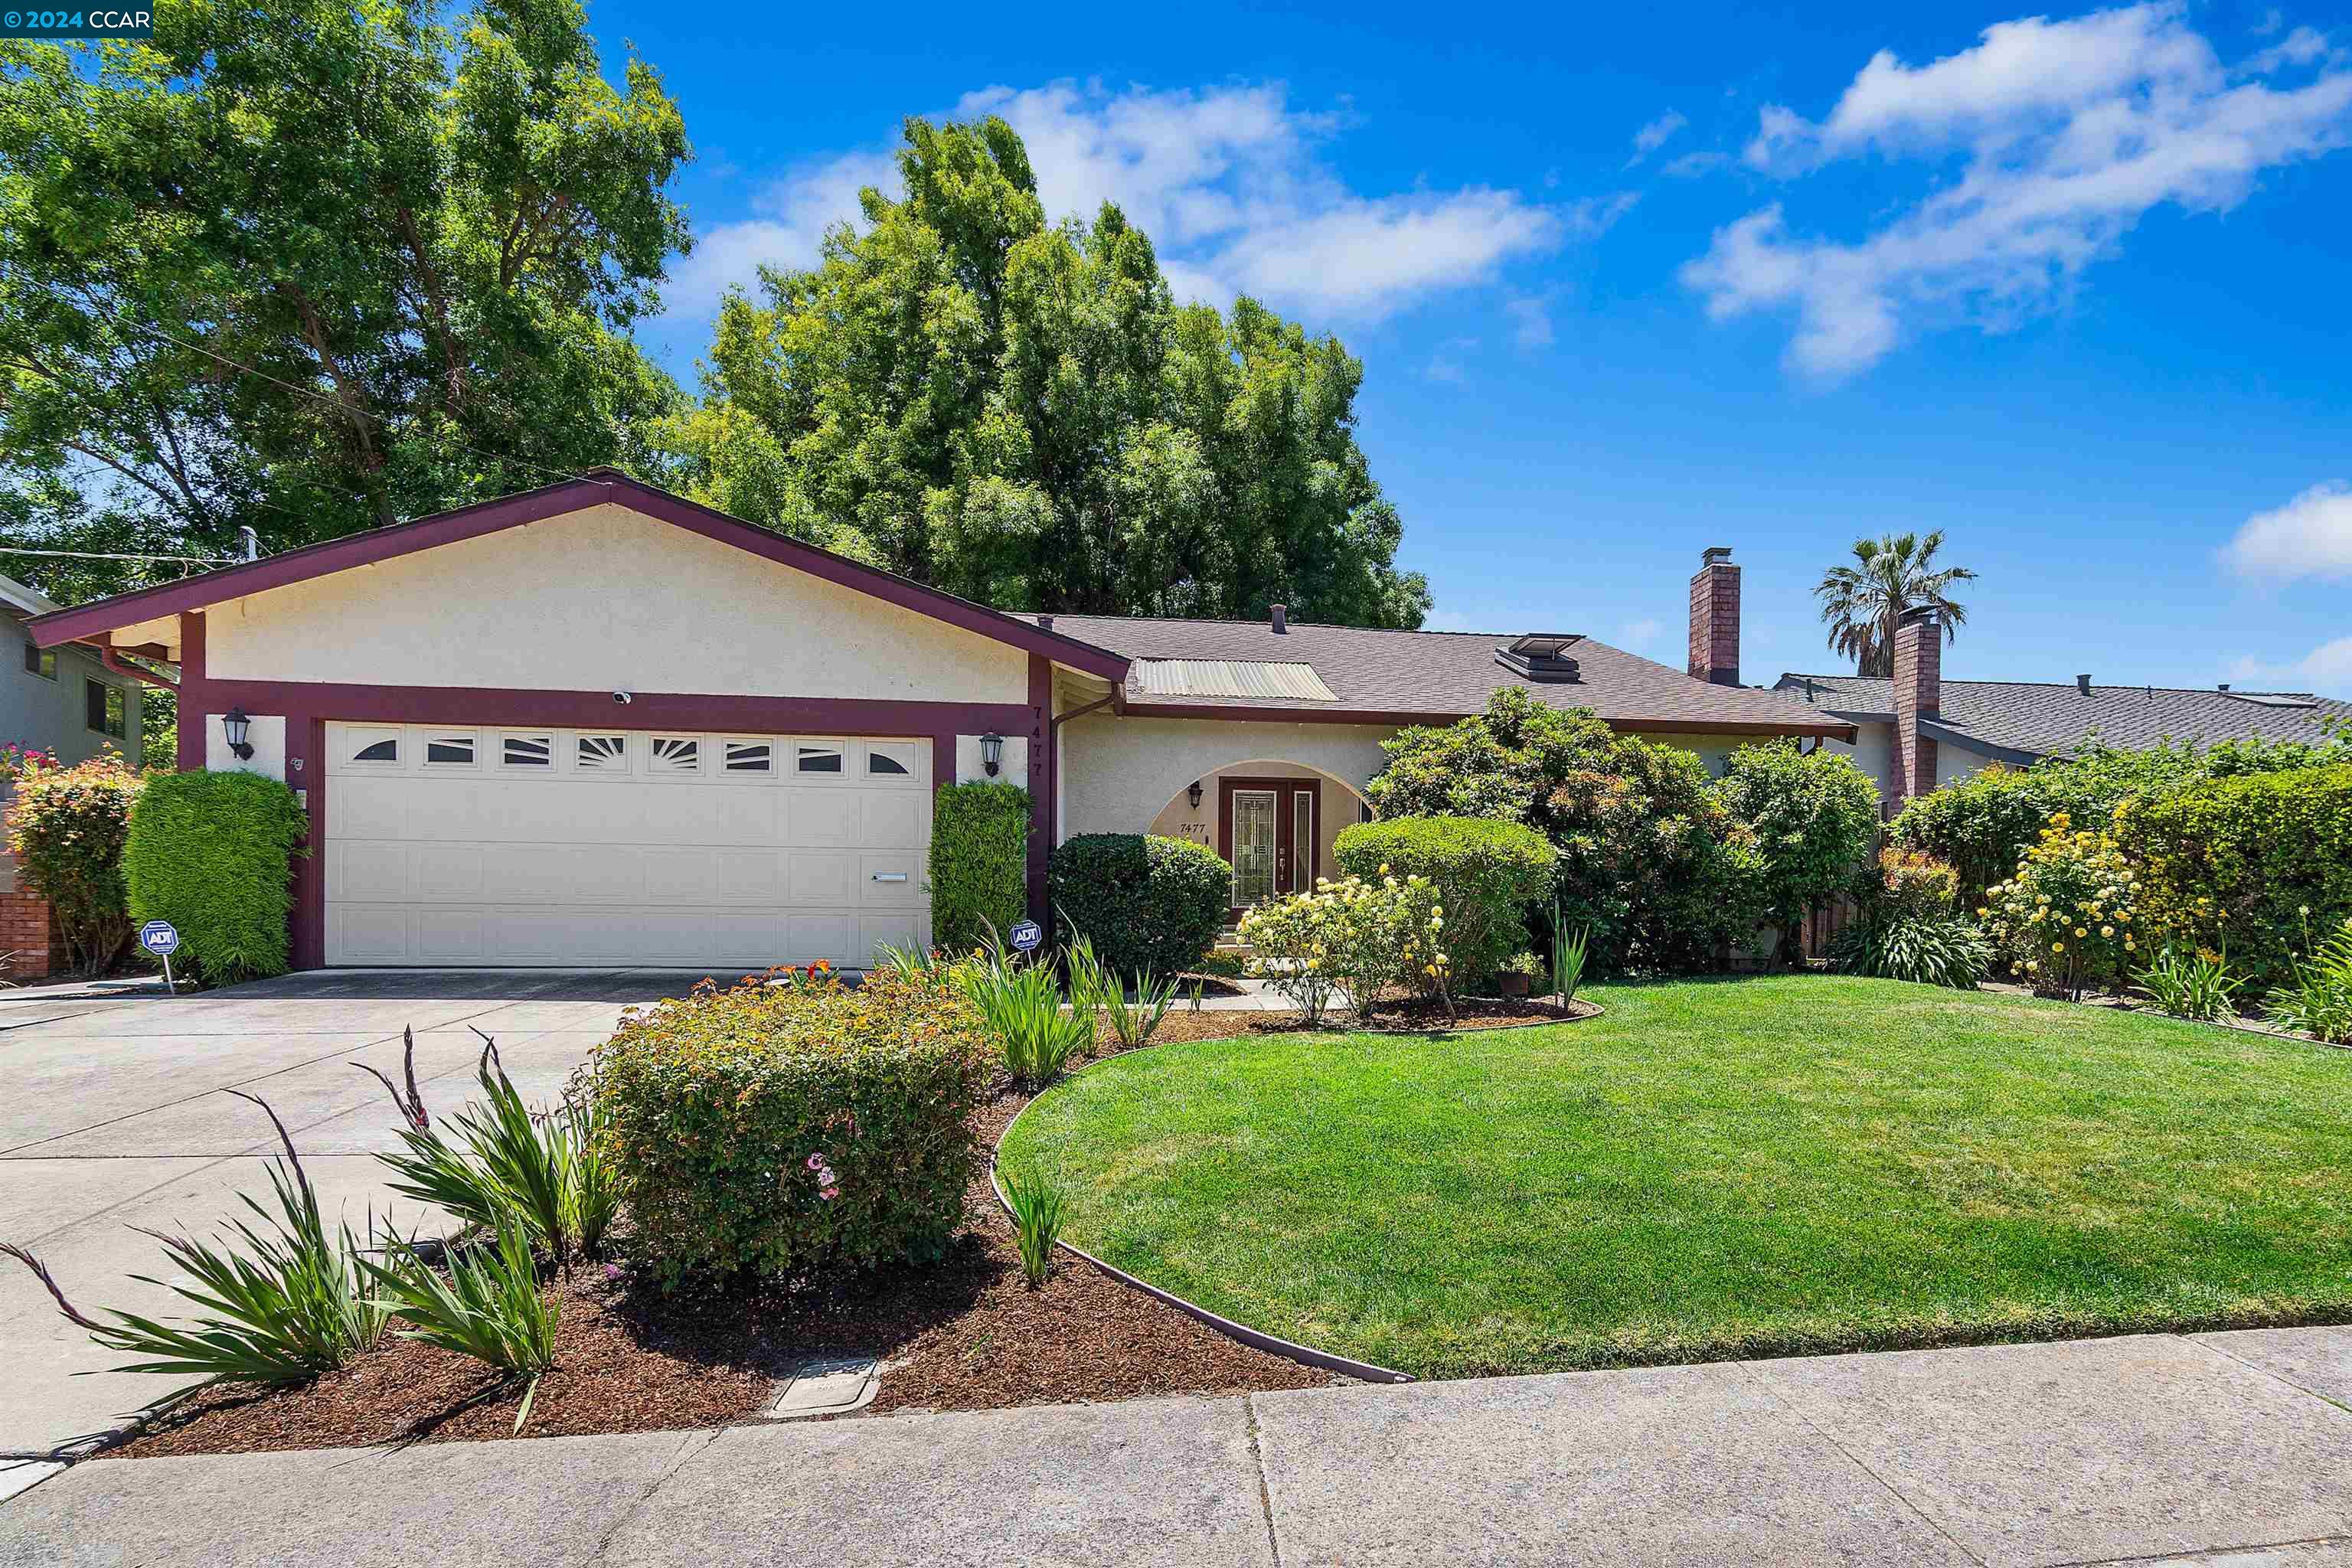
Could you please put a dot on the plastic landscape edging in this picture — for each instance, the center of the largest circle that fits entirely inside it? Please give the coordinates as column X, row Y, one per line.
column 1257, row 1338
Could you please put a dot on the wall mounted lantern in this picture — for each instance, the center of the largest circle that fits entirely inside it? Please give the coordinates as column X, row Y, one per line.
column 1193, row 795
column 992, row 753
column 236, row 727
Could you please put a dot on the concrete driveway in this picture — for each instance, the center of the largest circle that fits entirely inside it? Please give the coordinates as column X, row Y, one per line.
column 111, row 1118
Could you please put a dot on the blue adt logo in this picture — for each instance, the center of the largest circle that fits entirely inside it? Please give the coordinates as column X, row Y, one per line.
column 1026, row 936
column 159, row 937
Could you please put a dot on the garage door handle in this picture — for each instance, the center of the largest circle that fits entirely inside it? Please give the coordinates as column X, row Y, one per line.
column 889, row 875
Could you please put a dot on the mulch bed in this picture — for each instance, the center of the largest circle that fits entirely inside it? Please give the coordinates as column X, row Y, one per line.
column 966, row 1333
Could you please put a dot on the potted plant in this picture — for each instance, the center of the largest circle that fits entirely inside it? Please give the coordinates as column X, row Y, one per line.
column 1518, row 974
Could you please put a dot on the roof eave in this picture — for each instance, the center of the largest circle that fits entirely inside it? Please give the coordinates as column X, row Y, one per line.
column 108, row 614
column 1830, row 730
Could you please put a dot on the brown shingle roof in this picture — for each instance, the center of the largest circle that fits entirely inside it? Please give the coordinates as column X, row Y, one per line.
column 1401, row 677
column 2049, row 718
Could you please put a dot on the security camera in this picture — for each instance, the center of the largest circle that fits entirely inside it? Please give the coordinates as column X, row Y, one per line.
column 622, row 697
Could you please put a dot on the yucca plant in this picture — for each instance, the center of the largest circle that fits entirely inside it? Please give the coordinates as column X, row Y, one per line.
column 1568, row 953
column 1039, row 1205
column 2317, row 997
column 2192, row 984
column 1093, row 988
column 489, row 1308
column 286, row 1305
column 1023, row 1006
column 592, row 1192
column 1927, row 950
column 496, row 1159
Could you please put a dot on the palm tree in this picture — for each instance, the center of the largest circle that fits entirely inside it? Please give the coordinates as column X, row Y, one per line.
column 1863, row 603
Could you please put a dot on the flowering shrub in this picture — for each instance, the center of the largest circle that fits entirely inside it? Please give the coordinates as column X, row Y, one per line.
column 18, row 759
column 1356, row 936
column 67, row 828
column 790, row 1129
column 2068, row 918
column 1485, row 872
column 1911, row 883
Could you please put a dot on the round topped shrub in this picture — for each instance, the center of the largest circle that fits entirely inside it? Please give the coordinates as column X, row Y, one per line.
column 1151, row 905
column 791, row 1131
column 1486, row 873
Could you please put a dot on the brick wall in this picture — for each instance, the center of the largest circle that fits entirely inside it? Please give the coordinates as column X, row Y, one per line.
column 1715, row 620
column 27, row 931
column 1919, row 694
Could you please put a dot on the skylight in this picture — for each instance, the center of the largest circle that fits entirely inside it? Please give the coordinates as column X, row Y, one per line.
column 1285, row 681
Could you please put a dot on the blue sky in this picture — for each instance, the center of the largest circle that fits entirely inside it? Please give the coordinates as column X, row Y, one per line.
column 2073, row 288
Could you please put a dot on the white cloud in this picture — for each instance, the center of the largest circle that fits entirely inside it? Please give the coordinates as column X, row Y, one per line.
column 794, row 213
column 2068, row 134
column 2310, row 536
column 1532, row 322
column 1690, row 165
column 2325, row 669
column 1655, row 135
column 1229, row 184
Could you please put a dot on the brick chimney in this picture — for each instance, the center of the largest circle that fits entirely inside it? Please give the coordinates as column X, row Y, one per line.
column 1919, row 694
column 1715, row 618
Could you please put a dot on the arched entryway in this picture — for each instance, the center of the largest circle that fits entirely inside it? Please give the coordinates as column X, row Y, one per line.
column 1273, row 821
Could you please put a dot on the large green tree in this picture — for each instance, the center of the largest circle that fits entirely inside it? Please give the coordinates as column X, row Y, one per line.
column 1016, row 411
column 314, row 266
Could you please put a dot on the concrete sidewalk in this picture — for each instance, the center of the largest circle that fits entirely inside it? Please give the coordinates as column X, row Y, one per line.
column 2232, row 1450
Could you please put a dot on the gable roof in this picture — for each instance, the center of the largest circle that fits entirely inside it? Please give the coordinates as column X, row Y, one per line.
column 1403, row 677
column 30, row 600
column 2020, row 721
column 595, row 488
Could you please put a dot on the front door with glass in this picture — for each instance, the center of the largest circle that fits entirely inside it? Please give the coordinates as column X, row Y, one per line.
column 1268, row 833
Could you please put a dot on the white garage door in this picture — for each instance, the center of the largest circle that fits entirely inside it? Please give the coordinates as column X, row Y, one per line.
column 565, row 846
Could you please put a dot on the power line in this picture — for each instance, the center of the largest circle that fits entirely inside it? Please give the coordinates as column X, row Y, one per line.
column 112, row 555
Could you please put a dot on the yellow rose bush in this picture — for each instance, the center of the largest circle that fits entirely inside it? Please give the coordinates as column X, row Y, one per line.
column 1357, row 938
column 2070, row 918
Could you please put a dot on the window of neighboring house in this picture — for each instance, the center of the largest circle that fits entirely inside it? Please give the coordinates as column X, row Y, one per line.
column 104, row 708
column 40, row 661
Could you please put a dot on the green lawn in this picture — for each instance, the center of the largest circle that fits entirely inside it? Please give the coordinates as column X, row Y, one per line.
column 1721, row 1169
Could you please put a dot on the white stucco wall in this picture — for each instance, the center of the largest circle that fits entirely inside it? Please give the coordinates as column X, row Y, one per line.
column 265, row 732
column 1339, row 806
column 603, row 599
column 1869, row 751
column 1118, row 775
column 1873, row 753
column 1954, row 764
column 1012, row 766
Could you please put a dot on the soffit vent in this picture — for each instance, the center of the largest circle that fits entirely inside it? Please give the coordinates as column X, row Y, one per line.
column 1279, row 680
column 1542, row 657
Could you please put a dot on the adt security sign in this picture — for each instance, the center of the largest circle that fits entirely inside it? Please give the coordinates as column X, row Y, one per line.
column 161, row 937
column 1026, row 935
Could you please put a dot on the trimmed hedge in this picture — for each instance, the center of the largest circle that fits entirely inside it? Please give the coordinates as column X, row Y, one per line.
column 212, row 853
column 67, row 828
column 1150, row 904
column 725, row 1113
column 1487, row 874
column 979, row 863
column 2233, row 861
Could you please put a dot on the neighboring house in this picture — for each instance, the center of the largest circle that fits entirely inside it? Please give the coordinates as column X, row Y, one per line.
column 66, row 703
column 63, row 701
column 596, row 724
column 1916, row 732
